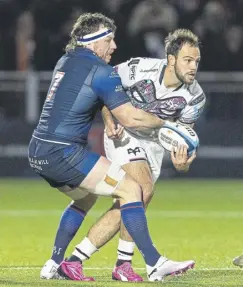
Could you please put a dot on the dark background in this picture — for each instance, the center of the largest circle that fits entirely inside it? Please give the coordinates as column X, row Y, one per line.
column 33, row 35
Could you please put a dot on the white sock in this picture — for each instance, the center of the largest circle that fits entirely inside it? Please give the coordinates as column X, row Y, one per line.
column 125, row 250
column 84, row 249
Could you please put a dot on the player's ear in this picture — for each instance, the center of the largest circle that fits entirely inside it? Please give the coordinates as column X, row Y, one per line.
column 171, row 60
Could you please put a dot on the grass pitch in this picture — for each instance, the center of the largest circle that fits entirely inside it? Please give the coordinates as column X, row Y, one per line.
column 200, row 220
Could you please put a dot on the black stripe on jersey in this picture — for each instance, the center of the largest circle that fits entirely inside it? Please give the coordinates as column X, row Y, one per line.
column 178, row 88
column 162, row 75
column 133, row 62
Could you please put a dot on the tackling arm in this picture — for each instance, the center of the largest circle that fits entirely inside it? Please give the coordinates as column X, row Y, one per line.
column 137, row 119
column 112, row 130
column 107, row 116
column 107, row 84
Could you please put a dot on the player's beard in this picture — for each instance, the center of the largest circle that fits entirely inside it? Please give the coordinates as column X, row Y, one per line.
column 107, row 57
column 103, row 54
column 180, row 76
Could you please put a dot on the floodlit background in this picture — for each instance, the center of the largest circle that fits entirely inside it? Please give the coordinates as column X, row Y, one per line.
column 33, row 34
column 196, row 215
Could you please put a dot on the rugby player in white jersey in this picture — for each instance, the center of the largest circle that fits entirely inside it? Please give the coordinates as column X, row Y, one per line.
column 168, row 89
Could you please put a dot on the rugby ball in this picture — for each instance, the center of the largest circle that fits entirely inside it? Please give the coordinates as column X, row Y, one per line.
column 171, row 135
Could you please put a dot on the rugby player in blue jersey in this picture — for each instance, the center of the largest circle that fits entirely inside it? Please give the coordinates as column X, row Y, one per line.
column 82, row 84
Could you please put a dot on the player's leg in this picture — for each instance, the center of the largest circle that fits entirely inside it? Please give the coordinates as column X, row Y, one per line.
column 109, row 224
column 110, row 180
column 132, row 156
column 71, row 220
column 129, row 154
column 73, row 165
column 140, row 172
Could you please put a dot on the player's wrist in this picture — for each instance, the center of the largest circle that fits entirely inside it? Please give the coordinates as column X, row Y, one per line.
column 164, row 123
column 183, row 170
column 168, row 123
column 109, row 123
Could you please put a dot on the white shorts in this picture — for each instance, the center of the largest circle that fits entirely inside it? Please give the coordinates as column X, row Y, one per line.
column 130, row 149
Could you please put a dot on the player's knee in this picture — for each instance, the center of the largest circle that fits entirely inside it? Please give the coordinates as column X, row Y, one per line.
column 119, row 184
column 148, row 192
column 86, row 203
column 129, row 190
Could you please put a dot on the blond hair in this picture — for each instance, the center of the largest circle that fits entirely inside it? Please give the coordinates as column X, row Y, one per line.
column 86, row 24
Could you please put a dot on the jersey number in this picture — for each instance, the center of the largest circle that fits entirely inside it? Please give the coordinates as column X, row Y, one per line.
column 56, row 82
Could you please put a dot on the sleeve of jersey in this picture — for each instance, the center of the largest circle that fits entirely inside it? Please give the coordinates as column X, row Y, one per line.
column 193, row 109
column 107, row 84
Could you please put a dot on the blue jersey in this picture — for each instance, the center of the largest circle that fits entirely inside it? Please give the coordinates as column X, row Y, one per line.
column 82, row 83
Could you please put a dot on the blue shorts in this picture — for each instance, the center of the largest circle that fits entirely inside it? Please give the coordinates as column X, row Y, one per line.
column 61, row 164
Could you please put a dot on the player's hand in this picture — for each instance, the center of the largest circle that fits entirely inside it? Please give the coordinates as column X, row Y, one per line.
column 114, row 131
column 180, row 159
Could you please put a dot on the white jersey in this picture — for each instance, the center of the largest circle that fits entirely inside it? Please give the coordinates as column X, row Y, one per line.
column 143, row 80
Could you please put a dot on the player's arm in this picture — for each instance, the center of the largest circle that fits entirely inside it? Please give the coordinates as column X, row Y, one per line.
column 107, row 116
column 189, row 115
column 122, row 70
column 112, row 129
column 108, row 86
column 194, row 108
column 137, row 119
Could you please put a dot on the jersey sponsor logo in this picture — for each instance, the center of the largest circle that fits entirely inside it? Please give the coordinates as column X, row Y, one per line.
column 37, row 164
column 197, row 100
column 133, row 150
column 38, row 161
column 114, row 73
column 132, row 72
column 148, row 71
column 132, row 68
column 119, row 88
column 55, row 84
